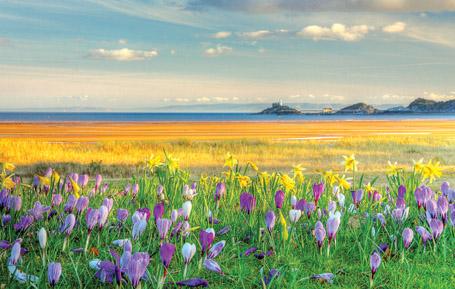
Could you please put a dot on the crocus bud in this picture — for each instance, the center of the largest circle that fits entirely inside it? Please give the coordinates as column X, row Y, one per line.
column 167, row 251
column 375, row 261
column 293, row 201
column 187, row 209
column 135, row 190
column 15, row 253
column 407, row 235
column 163, row 225
column 158, row 211
column 216, row 249
column 98, row 180
column 42, row 238
column 206, row 238
column 122, row 215
column 213, row 266
column 82, row 204
column 139, row 228
column 220, row 191
column 91, row 218
column 54, row 271
column 137, row 267
column 188, row 251
column 279, row 199
column 333, row 224
column 270, row 219
column 174, row 215
column 103, row 212
column 68, row 226
column 319, row 233
column 109, row 203
column 318, row 189
column 56, row 200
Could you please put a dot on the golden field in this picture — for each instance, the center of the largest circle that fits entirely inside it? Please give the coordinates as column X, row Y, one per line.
column 201, row 146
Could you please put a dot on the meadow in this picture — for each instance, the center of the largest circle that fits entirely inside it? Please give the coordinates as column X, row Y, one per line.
column 242, row 228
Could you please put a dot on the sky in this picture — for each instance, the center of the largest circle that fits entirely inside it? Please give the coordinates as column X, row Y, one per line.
column 130, row 54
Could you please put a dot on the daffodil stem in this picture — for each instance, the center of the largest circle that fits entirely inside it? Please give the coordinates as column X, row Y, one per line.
column 87, row 243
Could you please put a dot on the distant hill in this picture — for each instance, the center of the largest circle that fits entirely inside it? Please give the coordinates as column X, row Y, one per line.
column 280, row 109
column 359, row 108
column 426, row 105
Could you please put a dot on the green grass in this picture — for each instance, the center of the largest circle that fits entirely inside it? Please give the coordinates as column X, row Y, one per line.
column 296, row 259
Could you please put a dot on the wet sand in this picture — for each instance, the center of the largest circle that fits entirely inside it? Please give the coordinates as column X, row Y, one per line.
column 286, row 130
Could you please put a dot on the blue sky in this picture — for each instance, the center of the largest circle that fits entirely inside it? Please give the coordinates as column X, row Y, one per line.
column 123, row 55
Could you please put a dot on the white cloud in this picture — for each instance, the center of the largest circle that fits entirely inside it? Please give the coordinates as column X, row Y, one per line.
column 218, row 50
column 203, row 99
column 336, row 31
column 124, row 54
column 397, row 97
column 256, row 34
column 220, row 99
column 439, row 96
column 396, row 27
column 122, row 41
column 222, row 34
column 182, row 99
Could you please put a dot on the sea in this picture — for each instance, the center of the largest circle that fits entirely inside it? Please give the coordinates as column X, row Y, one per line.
column 202, row 117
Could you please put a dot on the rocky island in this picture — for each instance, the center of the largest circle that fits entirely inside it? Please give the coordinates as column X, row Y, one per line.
column 280, row 109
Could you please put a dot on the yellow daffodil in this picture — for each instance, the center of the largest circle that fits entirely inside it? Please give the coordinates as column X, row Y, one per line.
column 44, row 181
column 55, row 176
column 244, row 181
column 9, row 167
column 350, row 164
column 343, row 182
column 329, row 177
column 154, row 161
column 76, row 188
column 253, row 166
column 172, row 163
column 419, row 166
column 369, row 188
column 393, row 168
column 264, row 177
column 287, row 182
column 298, row 170
column 432, row 171
column 230, row 161
column 8, row 183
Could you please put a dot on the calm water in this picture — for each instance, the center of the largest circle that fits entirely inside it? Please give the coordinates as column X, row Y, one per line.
column 173, row 117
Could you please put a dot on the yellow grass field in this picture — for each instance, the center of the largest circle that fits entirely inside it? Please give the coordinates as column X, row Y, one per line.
column 201, row 146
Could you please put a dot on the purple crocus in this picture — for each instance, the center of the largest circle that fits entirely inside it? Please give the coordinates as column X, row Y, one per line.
column 220, row 191
column 279, row 199
column 213, row 266
column 15, row 252
column 167, row 251
column 24, row 223
column 54, row 271
column 443, row 207
column 270, row 220
column 375, row 261
column 138, row 228
column 122, row 215
column 319, row 233
column 38, row 210
column 56, row 200
column 82, row 181
column 432, row 208
column 109, row 203
column 310, row 207
column 68, row 225
column 91, row 219
column 98, row 180
column 6, row 219
column 401, row 192
column 247, row 202
column 419, row 195
column 408, row 235
column 163, row 225
column 82, row 204
column 103, row 212
column 323, row 277
column 14, row 203
column 424, row 234
column 318, row 189
column 357, row 197
column 70, row 204
column 134, row 190
column 216, row 249
column 137, row 266
column 158, row 211
column 436, row 227
column 206, row 238
column 192, row 283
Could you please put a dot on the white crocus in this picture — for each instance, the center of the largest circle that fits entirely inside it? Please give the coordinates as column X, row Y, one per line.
column 294, row 215
column 186, row 208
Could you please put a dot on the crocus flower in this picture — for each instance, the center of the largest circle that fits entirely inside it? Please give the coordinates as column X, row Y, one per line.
column 443, row 207
column 38, row 211
column 250, row 251
column 357, row 197
column 431, row 208
column 98, row 180
column 270, row 219
column 318, row 189
column 174, row 215
column 213, row 266
column 424, row 234
column 401, row 192
column 135, row 190
column 206, row 238
column 42, row 238
column 419, row 195
column 407, row 235
column 24, row 223
column 103, row 213
column 139, row 228
column 310, row 207
column 109, row 203
column 273, row 273
column 54, row 271
column 189, row 193
column 220, row 191
column 158, row 211
column 15, row 203
column 323, row 277
column 70, row 203
column 163, row 225
column 15, row 253
column 195, row 282
column 294, row 215
column 333, row 224
column 82, row 181
column 319, row 233
column 137, row 267
column 226, row 230
column 6, row 219
column 186, row 208
column 293, row 201
column 247, row 202
column 216, row 249
column 91, row 219
column 167, row 251
column 68, row 226
column 82, row 204
column 436, row 227
column 141, row 213
column 375, row 261
column 188, row 251
column 381, row 219
column 122, row 215
column 56, row 200
column 376, row 196
column 301, row 204
column 279, row 199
